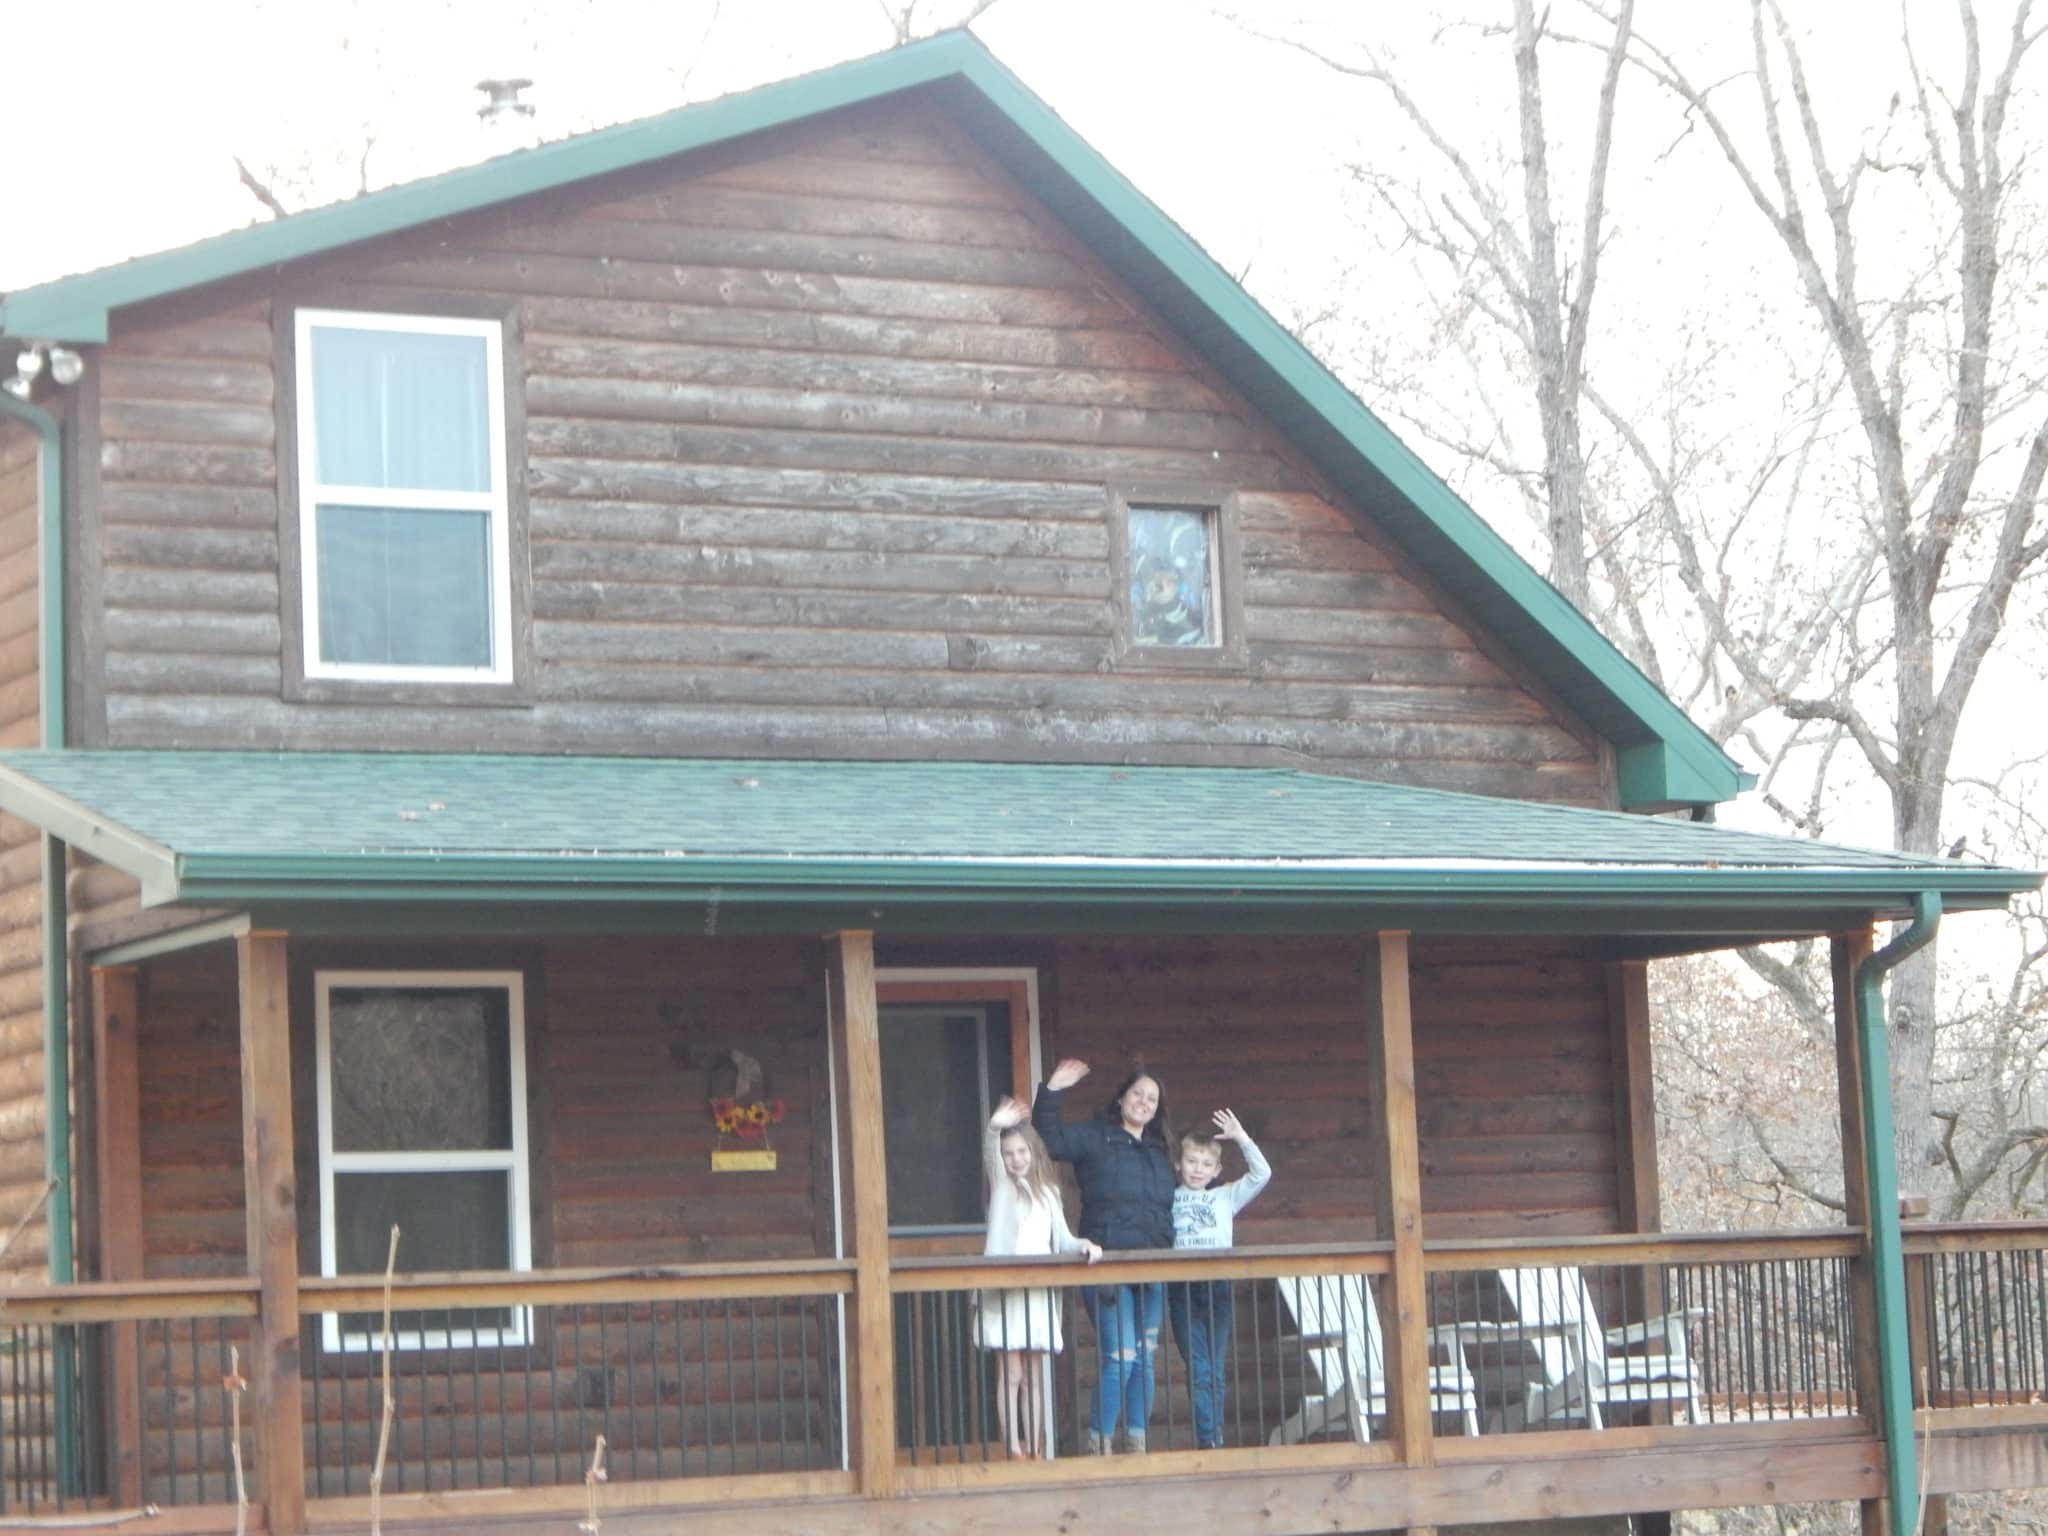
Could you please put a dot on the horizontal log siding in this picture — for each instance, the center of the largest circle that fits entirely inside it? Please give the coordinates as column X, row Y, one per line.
column 1511, row 1065
column 21, row 923
column 1512, row 1078
column 816, row 453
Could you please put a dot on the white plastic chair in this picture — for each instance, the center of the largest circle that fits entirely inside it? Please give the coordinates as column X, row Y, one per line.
column 1342, row 1347
column 1585, row 1367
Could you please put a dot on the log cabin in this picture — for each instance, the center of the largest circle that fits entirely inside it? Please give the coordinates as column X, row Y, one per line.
column 566, row 729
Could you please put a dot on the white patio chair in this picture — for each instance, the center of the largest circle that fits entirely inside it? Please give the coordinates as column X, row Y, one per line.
column 1584, row 1367
column 1343, row 1350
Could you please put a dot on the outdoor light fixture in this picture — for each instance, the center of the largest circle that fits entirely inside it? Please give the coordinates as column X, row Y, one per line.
column 66, row 367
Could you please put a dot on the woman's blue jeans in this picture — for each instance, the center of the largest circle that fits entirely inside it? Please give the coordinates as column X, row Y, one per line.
column 1126, row 1319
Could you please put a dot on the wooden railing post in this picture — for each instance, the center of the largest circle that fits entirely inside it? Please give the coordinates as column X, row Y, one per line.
column 271, row 1197
column 117, row 1134
column 1396, row 1156
column 1846, row 952
column 871, row 1353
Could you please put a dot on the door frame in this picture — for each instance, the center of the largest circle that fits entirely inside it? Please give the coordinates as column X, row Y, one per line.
column 1016, row 986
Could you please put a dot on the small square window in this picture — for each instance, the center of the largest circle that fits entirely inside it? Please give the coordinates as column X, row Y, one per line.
column 1173, row 596
column 404, row 525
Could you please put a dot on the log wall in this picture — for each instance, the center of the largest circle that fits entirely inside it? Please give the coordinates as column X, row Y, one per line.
column 1513, row 1066
column 21, row 928
column 818, row 435
column 1513, row 1078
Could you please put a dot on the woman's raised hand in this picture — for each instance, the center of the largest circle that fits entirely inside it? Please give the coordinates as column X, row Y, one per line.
column 1066, row 1074
column 1008, row 1113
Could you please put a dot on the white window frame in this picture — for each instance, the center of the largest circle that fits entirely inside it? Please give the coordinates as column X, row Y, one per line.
column 313, row 492
column 512, row 1161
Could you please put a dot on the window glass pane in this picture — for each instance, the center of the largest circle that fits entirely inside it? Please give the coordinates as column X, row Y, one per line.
column 420, row 1070
column 1172, row 597
column 935, row 1098
column 405, row 587
column 401, row 409
column 446, row 1221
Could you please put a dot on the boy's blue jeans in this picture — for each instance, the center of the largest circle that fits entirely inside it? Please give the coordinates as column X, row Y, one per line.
column 1126, row 1319
column 1202, row 1312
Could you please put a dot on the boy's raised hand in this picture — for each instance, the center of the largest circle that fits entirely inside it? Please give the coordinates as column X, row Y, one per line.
column 1230, row 1126
column 1066, row 1074
column 1008, row 1113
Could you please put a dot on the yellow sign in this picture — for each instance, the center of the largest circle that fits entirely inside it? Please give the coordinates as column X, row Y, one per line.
column 738, row 1160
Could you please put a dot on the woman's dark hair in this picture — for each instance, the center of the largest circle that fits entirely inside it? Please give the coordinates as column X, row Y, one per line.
column 1157, row 1130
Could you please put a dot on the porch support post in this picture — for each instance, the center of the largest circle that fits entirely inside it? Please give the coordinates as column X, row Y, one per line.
column 871, row 1354
column 1397, row 1193
column 117, row 1126
column 1635, row 1094
column 1847, row 951
column 271, row 1200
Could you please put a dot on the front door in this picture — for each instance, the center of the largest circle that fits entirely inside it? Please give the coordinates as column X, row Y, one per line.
column 950, row 1050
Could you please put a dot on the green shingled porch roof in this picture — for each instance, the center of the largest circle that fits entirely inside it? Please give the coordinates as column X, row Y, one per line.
column 222, row 826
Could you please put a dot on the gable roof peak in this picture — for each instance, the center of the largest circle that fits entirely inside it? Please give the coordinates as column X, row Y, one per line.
column 1662, row 758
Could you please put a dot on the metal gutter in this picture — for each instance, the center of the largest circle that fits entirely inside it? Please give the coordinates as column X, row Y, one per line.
column 1887, row 1247
column 55, row 909
column 232, row 878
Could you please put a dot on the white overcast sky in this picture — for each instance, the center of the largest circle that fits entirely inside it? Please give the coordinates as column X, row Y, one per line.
column 124, row 117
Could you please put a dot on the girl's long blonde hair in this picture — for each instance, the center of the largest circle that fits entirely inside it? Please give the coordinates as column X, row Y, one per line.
column 1038, row 1178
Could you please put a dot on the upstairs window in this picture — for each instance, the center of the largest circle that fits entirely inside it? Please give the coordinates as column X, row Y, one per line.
column 404, row 528
column 422, row 1103
column 1173, row 596
column 1177, row 578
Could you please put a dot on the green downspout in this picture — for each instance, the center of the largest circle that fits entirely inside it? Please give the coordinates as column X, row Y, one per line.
column 56, row 920
column 1887, row 1245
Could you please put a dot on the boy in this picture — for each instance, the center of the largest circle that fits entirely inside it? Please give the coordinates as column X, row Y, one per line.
column 1204, row 1217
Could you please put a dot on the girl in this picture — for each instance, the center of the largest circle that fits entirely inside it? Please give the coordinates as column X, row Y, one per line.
column 1020, row 1326
column 1126, row 1178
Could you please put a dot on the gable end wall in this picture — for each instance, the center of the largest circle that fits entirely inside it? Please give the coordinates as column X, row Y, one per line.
column 818, row 433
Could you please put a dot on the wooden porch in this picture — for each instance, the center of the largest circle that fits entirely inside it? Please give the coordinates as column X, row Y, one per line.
column 838, row 1390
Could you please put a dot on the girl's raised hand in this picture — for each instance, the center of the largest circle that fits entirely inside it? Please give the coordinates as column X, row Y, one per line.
column 1008, row 1113
column 1066, row 1074
column 1229, row 1125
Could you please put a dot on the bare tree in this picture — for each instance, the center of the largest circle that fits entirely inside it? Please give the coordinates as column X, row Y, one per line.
column 1512, row 239
column 902, row 18
column 1955, row 526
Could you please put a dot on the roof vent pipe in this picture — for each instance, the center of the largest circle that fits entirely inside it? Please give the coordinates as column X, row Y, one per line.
column 501, row 102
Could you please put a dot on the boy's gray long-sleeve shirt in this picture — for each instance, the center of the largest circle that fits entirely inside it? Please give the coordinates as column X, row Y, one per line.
column 1207, row 1218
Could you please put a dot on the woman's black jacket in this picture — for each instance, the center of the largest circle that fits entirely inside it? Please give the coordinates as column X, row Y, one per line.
column 1126, row 1182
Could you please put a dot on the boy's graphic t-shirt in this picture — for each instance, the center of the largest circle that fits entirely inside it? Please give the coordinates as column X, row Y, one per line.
column 1207, row 1218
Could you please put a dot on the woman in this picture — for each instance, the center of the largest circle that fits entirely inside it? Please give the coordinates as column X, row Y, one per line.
column 1126, row 1177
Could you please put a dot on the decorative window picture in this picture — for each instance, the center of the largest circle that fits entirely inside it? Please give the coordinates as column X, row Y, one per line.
column 403, row 524
column 1173, row 576
column 422, row 1126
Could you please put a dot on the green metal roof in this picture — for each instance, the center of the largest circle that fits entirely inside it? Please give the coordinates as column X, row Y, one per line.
column 1663, row 759
column 215, row 828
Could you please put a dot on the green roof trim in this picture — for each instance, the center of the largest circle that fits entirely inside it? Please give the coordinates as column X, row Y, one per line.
column 1663, row 758
column 220, row 828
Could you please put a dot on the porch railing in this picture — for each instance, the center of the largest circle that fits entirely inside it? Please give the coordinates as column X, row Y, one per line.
column 720, row 1381
column 1978, row 1323
column 507, row 1380
column 1689, row 1329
